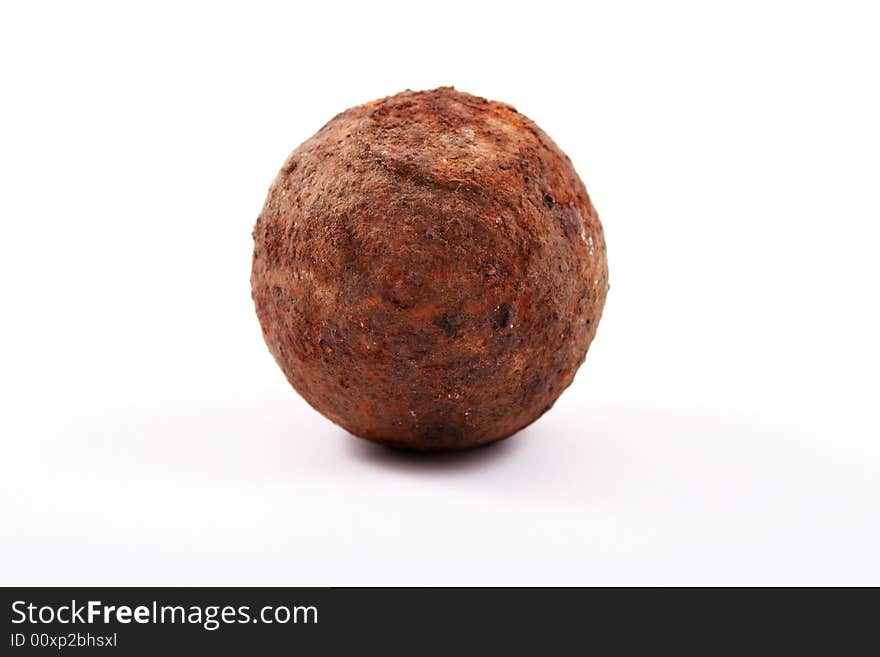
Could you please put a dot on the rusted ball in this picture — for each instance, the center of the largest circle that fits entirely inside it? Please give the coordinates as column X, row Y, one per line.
column 429, row 270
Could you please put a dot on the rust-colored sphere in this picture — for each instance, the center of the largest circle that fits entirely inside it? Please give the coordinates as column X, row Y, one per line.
column 429, row 270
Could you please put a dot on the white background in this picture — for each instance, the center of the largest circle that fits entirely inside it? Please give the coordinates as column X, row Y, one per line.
column 723, row 430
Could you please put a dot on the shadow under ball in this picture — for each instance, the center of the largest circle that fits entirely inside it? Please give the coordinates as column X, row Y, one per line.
column 429, row 271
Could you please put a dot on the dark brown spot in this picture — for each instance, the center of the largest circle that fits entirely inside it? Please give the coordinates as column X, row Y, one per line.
column 450, row 324
column 441, row 432
column 503, row 315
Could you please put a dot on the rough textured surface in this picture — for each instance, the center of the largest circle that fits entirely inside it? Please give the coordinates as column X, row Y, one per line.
column 429, row 271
